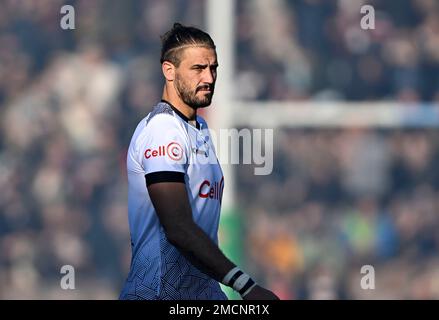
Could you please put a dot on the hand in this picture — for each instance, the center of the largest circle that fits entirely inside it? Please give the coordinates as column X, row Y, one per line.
column 259, row 293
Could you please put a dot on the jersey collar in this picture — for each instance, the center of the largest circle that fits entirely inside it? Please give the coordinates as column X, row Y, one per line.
column 181, row 115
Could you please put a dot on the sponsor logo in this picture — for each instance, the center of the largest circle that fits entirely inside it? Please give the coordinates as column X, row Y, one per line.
column 173, row 151
column 211, row 190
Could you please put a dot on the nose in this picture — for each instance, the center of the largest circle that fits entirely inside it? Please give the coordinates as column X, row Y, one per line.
column 208, row 76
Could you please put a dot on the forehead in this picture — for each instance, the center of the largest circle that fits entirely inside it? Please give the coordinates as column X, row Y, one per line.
column 198, row 55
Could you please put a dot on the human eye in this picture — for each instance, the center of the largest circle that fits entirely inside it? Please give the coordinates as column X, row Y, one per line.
column 197, row 67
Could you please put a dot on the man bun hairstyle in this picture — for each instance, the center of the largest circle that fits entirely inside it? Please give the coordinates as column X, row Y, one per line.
column 180, row 37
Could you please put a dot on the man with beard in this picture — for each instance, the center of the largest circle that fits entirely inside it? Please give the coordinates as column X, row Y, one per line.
column 175, row 185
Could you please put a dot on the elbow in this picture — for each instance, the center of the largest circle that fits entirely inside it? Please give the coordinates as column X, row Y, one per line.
column 173, row 237
column 177, row 236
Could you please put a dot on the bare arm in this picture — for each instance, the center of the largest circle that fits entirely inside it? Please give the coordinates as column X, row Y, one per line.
column 171, row 203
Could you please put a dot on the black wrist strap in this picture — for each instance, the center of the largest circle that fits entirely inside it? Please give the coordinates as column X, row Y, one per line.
column 234, row 278
column 249, row 283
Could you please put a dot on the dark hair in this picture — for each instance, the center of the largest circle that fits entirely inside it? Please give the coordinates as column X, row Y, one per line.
column 180, row 37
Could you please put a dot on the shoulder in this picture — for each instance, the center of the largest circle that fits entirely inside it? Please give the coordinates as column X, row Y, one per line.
column 162, row 116
column 158, row 125
column 160, row 109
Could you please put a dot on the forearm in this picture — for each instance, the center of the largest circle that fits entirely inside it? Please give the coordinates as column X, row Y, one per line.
column 200, row 250
column 176, row 218
column 203, row 253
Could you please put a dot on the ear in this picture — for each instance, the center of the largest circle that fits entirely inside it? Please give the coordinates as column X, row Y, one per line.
column 168, row 70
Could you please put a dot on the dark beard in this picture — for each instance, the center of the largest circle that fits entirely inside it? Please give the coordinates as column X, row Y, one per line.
column 189, row 97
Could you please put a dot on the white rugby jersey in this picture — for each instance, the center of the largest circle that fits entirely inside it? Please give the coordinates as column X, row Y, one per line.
column 166, row 147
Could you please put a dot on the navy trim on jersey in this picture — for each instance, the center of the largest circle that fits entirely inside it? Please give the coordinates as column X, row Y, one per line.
column 181, row 115
column 164, row 176
column 160, row 108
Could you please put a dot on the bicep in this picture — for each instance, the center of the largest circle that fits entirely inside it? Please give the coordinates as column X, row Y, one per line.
column 171, row 203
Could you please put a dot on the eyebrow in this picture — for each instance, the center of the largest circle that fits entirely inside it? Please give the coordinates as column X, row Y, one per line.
column 202, row 66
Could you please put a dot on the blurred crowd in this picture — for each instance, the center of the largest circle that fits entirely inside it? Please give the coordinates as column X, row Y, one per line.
column 69, row 103
column 341, row 199
column 316, row 49
column 70, row 100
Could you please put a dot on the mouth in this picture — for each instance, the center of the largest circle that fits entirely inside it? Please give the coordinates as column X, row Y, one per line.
column 207, row 89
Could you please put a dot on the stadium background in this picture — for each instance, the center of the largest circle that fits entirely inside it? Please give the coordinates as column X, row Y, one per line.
column 346, row 189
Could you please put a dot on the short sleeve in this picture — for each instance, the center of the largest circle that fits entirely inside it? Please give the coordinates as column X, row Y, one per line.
column 165, row 146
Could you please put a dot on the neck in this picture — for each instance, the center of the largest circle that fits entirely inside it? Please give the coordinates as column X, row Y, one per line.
column 172, row 97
